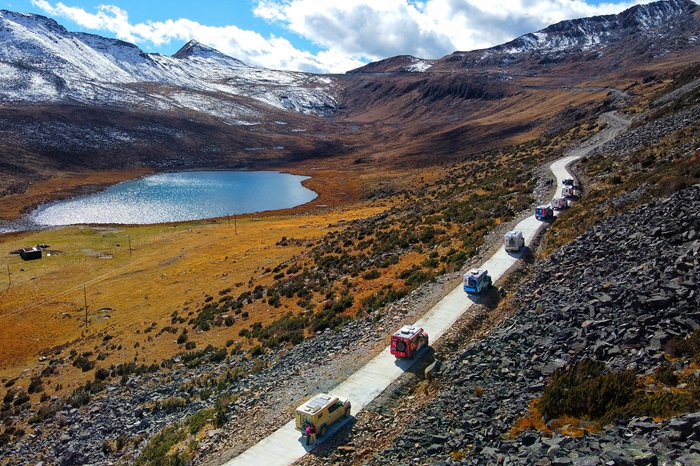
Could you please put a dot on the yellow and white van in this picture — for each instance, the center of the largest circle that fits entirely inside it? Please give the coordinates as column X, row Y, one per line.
column 321, row 411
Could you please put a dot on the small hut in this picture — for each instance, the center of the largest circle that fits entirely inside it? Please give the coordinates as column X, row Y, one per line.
column 30, row 254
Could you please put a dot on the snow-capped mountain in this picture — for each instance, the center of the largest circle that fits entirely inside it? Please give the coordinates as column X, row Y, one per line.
column 80, row 101
column 643, row 29
column 655, row 29
column 42, row 62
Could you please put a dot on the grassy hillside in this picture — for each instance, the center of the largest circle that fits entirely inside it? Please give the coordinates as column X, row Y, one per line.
column 107, row 298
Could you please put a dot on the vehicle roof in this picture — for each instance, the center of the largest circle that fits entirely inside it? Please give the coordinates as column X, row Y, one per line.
column 407, row 331
column 514, row 233
column 317, row 403
column 475, row 272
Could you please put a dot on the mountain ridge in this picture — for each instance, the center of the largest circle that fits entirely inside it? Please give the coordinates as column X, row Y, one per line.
column 572, row 36
column 387, row 113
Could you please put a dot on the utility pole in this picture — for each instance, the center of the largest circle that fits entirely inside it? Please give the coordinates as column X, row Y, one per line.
column 9, row 276
column 86, row 306
column 228, row 219
column 235, row 225
column 129, row 236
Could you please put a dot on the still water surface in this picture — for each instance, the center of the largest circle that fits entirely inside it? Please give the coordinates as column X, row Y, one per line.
column 175, row 197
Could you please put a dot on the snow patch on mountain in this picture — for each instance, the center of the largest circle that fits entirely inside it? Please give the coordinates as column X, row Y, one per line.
column 42, row 62
column 418, row 66
column 581, row 35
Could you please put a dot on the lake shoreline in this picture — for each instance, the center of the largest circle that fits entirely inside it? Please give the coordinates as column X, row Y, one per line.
column 24, row 221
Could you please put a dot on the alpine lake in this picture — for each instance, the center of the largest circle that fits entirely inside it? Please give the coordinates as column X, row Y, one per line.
column 177, row 197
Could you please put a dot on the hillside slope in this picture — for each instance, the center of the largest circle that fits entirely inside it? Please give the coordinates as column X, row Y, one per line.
column 620, row 295
column 208, row 330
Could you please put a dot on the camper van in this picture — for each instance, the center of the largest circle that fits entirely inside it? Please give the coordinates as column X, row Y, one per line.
column 407, row 341
column 476, row 280
column 559, row 203
column 321, row 411
column 513, row 241
column 544, row 212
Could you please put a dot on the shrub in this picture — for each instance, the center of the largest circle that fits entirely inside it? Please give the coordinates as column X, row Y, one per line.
column 690, row 346
column 274, row 300
column 35, row 385
column 83, row 363
column 44, row 412
column 101, row 374
column 158, row 450
column 666, row 375
column 21, row 399
column 172, row 404
column 9, row 396
column 79, row 397
column 585, row 390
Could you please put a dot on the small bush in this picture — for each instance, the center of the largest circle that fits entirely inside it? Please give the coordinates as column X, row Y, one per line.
column 79, row 397
column 587, row 391
column 9, row 396
column 21, row 399
column 666, row 375
column 101, row 374
column 83, row 363
column 172, row 404
column 35, row 385
column 158, row 452
column 690, row 346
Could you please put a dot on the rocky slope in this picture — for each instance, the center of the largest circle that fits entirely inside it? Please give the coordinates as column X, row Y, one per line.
column 138, row 407
column 617, row 295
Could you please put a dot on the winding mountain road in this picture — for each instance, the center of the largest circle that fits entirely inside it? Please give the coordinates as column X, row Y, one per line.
column 284, row 446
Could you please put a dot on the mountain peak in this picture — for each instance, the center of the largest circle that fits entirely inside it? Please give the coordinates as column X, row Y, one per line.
column 194, row 48
column 650, row 29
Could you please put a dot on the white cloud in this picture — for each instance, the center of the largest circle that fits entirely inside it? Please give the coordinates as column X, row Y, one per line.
column 350, row 32
column 249, row 46
column 371, row 29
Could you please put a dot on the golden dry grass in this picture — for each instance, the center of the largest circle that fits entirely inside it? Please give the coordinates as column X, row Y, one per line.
column 134, row 277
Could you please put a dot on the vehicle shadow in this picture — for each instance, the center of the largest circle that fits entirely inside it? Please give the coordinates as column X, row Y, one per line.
column 549, row 220
column 339, row 432
column 518, row 254
column 417, row 364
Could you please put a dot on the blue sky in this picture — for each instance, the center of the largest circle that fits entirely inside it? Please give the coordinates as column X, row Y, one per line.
column 318, row 36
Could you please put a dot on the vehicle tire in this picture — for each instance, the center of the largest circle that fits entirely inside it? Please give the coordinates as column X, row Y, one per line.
column 427, row 341
column 401, row 346
column 347, row 412
column 322, row 431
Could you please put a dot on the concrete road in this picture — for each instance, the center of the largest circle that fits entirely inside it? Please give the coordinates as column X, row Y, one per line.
column 286, row 445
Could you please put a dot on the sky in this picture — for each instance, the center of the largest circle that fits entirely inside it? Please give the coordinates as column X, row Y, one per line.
column 316, row 36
